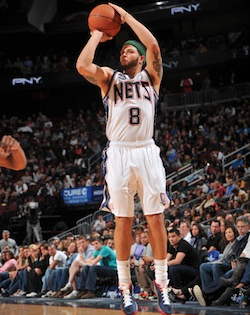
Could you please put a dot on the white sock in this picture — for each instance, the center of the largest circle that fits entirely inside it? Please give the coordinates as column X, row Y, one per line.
column 161, row 272
column 123, row 269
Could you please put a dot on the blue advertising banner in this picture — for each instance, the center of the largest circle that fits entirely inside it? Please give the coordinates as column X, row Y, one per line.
column 97, row 193
column 81, row 195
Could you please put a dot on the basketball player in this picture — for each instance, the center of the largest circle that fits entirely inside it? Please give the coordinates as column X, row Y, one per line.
column 12, row 155
column 131, row 160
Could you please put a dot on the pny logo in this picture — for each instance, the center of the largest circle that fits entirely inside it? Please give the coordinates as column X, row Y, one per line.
column 25, row 81
column 171, row 65
column 185, row 9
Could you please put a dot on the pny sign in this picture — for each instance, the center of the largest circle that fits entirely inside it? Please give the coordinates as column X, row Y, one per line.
column 25, row 81
column 171, row 65
column 185, row 9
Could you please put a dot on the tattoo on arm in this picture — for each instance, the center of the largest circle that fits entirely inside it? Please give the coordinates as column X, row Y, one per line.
column 91, row 80
column 157, row 64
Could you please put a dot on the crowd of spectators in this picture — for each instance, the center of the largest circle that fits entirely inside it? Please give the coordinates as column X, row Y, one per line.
column 58, row 150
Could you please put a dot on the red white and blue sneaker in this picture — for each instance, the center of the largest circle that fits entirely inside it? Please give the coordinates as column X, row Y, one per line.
column 164, row 305
column 128, row 303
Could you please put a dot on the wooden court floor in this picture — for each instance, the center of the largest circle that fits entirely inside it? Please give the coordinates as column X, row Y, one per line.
column 14, row 309
column 24, row 309
column 104, row 306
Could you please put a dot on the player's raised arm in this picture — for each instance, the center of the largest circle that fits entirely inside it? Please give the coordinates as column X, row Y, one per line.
column 153, row 52
column 90, row 71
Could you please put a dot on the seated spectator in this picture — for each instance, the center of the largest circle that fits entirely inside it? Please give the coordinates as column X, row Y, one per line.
column 99, row 224
column 244, row 285
column 239, row 194
column 110, row 242
column 62, row 274
column 56, row 241
column 85, row 251
column 10, row 281
column 186, row 84
column 211, row 289
column 238, row 163
column 57, row 260
column 207, row 202
column 183, row 260
column 8, row 241
column 38, row 263
column 224, row 224
column 136, row 252
column 9, row 264
column 215, row 237
column 229, row 188
column 211, row 271
column 140, row 269
column 185, row 229
column 199, row 239
column 234, row 282
column 101, row 264
column 218, row 190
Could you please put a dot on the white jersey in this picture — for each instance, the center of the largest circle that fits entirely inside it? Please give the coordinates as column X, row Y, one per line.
column 130, row 106
column 131, row 159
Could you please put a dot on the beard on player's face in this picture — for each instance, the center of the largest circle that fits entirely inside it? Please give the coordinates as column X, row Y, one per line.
column 130, row 65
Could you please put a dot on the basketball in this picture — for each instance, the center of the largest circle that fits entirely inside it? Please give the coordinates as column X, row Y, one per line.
column 105, row 19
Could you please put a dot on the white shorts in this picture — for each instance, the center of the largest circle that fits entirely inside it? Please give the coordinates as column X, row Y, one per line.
column 132, row 168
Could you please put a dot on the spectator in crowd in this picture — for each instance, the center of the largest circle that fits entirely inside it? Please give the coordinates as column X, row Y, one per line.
column 238, row 163
column 224, row 224
column 199, row 239
column 185, row 229
column 9, row 264
column 62, row 274
column 56, row 241
column 211, row 271
column 215, row 237
column 239, row 194
column 110, row 242
column 73, row 288
column 99, row 224
column 38, row 263
column 229, row 188
column 136, row 251
column 15, row 281
column 207, row 203
column 186, row 84
column 218, row 190
column 101, row 264
column 183, row 260
column 140, row 270
column 57, row 260
column 9, row 242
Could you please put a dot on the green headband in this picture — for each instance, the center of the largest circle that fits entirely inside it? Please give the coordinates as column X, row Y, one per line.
column 141, row 49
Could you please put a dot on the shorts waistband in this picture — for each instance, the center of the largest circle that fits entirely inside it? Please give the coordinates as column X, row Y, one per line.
column 131, row 144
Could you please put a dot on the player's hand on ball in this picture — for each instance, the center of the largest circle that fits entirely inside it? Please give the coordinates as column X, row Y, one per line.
column 103, row 37
column 120, row 10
